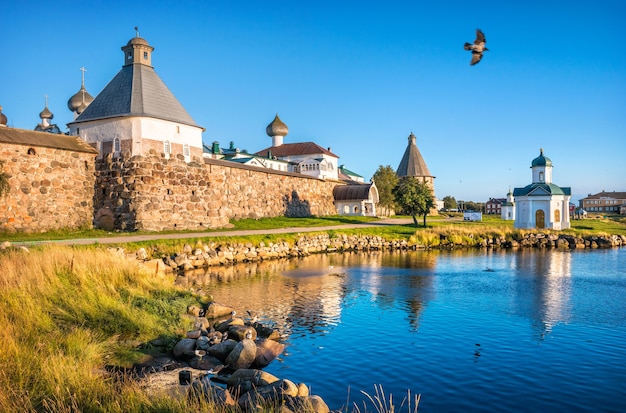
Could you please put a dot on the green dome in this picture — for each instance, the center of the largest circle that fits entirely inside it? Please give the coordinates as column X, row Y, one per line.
column 541, row 160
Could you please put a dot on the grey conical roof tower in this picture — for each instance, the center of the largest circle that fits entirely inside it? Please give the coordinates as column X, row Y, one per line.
column 136, row 90
column 412, row 163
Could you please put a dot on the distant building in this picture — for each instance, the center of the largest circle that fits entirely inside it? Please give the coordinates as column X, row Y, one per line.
column 494, row 205
column 347, row 175
column 307, row 158
column 507, row 209
column 542, row 204
column 472, row 216
column 356, row 199
column 242, row 157
column 605, row 202
column 413, row 164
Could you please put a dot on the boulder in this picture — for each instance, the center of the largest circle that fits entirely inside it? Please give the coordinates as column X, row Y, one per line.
column 303, row 390
column 201, row 323
column 205, row 363
column 266, row 351
column 225, row 325
column 185, row 349
column 242, row 356
column 268, row 396
column 206, row 390
column 223, row 349
column 267, row 332
column 306, row 404
column 239, row 332
column 194, row 310
column 194, row 334
column 215, row 310
column 255, row 377
column 203, row 343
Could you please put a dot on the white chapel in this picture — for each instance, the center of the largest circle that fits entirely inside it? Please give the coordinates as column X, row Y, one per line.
column 542, row 204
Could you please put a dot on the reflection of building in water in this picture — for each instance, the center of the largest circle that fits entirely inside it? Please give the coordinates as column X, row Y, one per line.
column 396, row 276
column 543, row 287
column 304, row 296
column 305, row 293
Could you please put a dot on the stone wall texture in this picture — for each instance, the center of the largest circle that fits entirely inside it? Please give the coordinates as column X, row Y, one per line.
column 49, row 189
column 154, row 193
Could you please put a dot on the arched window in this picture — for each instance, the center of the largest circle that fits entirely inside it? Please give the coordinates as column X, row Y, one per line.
column 116, row 145
column 541, row 176
column 557, row 215
column 346, row 209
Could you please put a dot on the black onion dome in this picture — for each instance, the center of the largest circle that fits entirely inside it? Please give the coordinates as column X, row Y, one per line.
column 81, row 99
column 277, row 128
column 46, row 114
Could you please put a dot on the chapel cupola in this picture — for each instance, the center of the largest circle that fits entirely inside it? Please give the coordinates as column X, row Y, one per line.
column 277, row 130
column 542, row 169
column 137, row 51
column 45, row 115
column 81, row 99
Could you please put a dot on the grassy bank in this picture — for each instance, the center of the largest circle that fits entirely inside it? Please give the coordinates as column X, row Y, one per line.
column 65, row 315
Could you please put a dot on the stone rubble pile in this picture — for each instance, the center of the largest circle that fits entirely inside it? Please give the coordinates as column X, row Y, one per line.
column 228, row 357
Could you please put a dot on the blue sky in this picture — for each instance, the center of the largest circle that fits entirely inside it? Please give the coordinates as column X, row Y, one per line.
column 359, row 77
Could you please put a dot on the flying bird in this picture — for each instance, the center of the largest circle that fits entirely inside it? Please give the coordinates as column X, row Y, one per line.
column 478, row 47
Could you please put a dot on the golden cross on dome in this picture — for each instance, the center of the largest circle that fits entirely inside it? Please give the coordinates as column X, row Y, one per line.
column 82, row 69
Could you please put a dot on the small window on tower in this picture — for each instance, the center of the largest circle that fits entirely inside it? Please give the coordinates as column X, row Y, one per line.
column 145, row 55
column 167, row 150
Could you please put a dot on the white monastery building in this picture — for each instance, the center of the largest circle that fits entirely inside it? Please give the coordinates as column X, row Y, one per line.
column 136, row 112
column 507, row 210
column 307, row 158
column 542, row 204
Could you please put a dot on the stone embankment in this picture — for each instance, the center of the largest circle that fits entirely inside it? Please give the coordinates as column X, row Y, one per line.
column 226, row 358
column 204, row 255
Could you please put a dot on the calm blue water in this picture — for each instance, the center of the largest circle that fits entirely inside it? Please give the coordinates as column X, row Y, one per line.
column 468, row 331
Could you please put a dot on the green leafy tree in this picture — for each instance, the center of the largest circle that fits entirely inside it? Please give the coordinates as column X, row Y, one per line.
column 473, row 206
column 414, row 197
column 385, row 179
column 449, row 202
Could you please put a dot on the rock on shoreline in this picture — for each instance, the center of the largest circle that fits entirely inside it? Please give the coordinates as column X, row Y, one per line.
column 209, row 254
column 222, row 360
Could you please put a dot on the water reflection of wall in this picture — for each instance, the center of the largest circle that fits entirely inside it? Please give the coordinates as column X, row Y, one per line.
column 300, row 292
column 543, row 287
column 304, row 296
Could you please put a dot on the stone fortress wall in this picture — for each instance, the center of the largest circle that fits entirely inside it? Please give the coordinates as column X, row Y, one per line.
column 49, row 188
column 153, row 193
